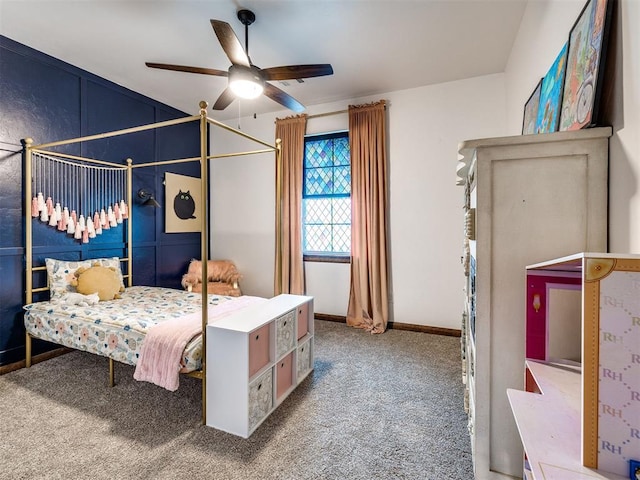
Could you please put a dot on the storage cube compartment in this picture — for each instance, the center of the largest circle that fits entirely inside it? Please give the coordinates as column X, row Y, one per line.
column 304, row 360
column 259, row 349
column 285, row 338
column 284, row 375
column 303, row 320
column 260, row 398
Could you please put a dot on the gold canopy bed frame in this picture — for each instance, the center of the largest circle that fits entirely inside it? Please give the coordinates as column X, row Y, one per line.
column 30, row 149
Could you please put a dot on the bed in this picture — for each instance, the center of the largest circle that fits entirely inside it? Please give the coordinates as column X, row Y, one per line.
column 118, row 328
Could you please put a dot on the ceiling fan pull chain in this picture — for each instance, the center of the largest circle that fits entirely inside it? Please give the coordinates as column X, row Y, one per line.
column 246, row 40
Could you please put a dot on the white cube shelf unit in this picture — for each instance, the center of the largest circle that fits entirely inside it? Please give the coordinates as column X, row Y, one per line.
column 255, row 359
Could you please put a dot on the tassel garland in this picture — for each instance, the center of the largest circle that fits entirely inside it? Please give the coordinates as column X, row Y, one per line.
column 90, row 191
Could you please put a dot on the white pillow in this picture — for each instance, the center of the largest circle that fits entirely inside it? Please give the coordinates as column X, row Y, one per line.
column 60, row 272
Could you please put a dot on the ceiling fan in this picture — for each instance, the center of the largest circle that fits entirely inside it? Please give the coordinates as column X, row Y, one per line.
column 245, row 79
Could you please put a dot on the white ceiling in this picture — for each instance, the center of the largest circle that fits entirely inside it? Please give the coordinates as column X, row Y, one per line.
column 374, row 46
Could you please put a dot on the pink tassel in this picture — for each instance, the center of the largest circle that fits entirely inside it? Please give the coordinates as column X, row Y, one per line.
column 85, row 236
column 34, row 207
column 116, row 213
column 124, row 210
column 49, row 205
column 96, row 223
column 103, row 218
column 62, row 224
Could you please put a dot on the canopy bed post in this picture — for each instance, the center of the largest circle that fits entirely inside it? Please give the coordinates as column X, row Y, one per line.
column 112, row 380
column 129, row 223
column 28, row 142
column 204, row 248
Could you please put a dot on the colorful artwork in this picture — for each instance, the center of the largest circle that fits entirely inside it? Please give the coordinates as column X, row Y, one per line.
column 582, row 80
column 531, row 111
column 551, row 94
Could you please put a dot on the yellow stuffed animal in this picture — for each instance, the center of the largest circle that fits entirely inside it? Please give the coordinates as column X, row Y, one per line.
column 98, row 279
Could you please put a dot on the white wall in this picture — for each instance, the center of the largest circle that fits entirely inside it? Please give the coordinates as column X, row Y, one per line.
column 425, row 126
column 544, row 29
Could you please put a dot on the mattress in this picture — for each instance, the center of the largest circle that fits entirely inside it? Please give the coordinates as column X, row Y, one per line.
column 116, row 328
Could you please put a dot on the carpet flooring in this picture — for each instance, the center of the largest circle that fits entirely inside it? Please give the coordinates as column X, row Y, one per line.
column 384, row 406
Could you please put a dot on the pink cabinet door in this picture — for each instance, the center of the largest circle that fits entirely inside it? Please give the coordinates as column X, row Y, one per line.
column 303, row 320
column 284, row 374
column 258, row 349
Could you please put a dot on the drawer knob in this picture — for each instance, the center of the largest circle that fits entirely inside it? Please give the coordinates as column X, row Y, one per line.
column 257, row 336
column 259, row 386
column 284, row 324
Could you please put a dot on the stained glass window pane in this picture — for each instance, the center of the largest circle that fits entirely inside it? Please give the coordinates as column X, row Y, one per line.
column 341, row 238
column 317, row 211
column 341, row 210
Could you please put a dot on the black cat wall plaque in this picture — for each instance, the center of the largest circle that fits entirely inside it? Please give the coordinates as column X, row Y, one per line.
column 182, row 203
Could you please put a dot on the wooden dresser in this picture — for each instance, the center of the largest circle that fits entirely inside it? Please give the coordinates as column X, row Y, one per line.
column 527, row 198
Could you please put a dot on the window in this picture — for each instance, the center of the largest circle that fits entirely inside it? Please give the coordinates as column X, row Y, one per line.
column 326, row 195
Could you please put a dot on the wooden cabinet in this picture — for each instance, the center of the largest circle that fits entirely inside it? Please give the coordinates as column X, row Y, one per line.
column 255, row 359
column 580, row 414
column 527, row 198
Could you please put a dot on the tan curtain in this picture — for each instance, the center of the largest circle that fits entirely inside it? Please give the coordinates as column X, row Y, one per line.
column 289, row 268
column 368, row 297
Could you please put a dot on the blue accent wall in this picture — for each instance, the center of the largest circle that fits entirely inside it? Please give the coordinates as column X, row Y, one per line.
column 46, row 99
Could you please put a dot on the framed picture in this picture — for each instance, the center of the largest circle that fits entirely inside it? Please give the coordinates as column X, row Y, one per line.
column 531, row 111
column 634, row 469
column 183, row 204
column 551, row 94
column 585, row 66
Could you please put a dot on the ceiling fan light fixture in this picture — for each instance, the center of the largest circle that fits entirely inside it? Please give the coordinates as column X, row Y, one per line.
column 245, row 82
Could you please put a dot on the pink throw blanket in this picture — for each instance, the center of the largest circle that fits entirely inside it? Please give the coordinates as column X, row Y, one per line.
column 161, row 350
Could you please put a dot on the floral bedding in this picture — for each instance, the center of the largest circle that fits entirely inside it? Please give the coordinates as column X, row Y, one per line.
column 116, row 328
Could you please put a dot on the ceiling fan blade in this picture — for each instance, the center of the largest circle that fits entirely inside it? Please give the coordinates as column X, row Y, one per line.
column 283, row 98
column 225, row 98
column 291, row 72
column 184, row 68
column 230, row 43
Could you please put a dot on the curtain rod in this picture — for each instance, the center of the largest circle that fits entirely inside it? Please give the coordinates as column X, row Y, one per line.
column 337, row 112
column 317, row 115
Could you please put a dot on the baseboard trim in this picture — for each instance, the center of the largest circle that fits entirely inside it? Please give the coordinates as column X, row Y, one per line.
column 449, row 332
column 11, row 367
